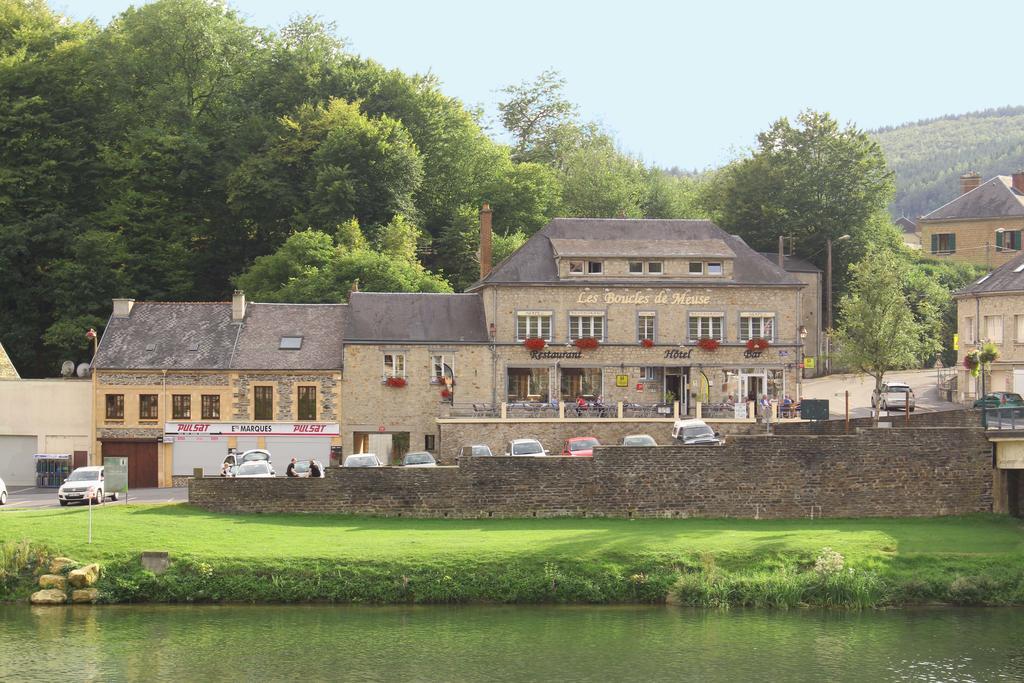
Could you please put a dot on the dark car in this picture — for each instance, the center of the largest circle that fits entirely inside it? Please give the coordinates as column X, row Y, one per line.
column 1000, row 399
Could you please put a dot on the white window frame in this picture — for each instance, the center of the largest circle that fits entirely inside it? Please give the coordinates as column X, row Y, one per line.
column 747, row 326
column 578, row 327
column 969, row 330
column 996, row 338
column 397, row 363
column 577, row 267
column 659, row 271
column 706, row 331
column 447, row 360
column 642, row 334
column 590, row 267
column 1018, row 321
column 648, row 373
column 534, row 324
column 638, row 271
column 691, row 264
column 718, row 264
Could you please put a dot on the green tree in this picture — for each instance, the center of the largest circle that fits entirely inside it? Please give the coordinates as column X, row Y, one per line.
column 878, row 332
column 538, row 116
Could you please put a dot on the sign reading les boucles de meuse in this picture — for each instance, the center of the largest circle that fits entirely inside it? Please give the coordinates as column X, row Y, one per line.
column 667, row 297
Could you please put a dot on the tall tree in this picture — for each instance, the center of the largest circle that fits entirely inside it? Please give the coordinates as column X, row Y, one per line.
column 537, row 115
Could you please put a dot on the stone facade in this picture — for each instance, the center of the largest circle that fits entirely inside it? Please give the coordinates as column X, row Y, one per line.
column 966, row 419
column 7, row 370
column 908, row 472
column 328, row 387
column 975, row 239
column 977, row 318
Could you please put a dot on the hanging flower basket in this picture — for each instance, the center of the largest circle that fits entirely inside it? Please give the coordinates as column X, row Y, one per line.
column 396, row 382
column 587, row 343
column 972, row 363
column 988, row 353
column 445, row 393
column 535, row 344
column 708, row 344
column 757, row 344
column 647, row 343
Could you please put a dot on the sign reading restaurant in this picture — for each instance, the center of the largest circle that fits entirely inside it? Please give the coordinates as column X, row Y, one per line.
column 680, row 298
column 257, row 428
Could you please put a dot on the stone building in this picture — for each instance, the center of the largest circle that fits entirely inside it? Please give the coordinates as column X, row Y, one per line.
column 991, row 309
column 176, row 385
column 983, row 225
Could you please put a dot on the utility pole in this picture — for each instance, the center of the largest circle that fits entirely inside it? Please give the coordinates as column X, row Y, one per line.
column 828, row 302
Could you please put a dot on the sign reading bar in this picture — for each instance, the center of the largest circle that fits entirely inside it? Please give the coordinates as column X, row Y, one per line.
column 683, row 297
column 198, row 429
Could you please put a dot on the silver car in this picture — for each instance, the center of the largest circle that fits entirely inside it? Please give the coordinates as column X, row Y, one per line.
column 527, row 447
column 419, row 459
column 363, row 460
column 639, row 440
column 894, row 396
column 254, row 469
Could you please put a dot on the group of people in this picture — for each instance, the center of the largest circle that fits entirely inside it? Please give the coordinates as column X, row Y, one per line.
column 764, row 406
column 314, row 469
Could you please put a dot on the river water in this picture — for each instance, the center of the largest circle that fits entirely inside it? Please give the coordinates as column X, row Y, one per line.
column 485, row 643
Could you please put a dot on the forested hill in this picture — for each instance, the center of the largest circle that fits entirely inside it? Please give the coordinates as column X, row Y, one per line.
column 929, row 156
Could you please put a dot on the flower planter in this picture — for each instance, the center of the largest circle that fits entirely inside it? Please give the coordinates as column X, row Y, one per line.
column 708, row 344
column 445, row 393
column 396, row 382
column 757, row 344
column 535, row 344
column 647, row 343
column 587, row 343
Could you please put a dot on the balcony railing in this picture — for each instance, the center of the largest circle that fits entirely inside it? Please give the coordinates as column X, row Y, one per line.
column 527, row 410
column 1009, row 419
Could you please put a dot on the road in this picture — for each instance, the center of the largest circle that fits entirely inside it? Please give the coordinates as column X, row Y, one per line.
column 923, row 382
column 23, row 497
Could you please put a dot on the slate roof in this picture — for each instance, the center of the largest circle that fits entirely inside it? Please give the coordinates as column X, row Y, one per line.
column 792, row 264
column 534, row 263
column 1002, row 279
column 908, row 226
column 402, row 317
column 992, row 199
column 259, row 340
column 645, row 248
column 170, row 330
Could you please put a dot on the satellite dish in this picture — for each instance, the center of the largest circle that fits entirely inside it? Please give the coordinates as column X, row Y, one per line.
column 67, row 368
column 83, row 370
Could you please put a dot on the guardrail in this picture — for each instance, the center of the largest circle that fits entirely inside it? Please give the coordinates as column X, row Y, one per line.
column 1010, row 419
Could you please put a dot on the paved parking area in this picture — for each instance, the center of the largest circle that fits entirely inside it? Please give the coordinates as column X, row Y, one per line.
column 22, row 497
column 923, row 382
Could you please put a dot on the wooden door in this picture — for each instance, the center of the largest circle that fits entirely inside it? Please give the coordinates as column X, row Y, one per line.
column 142, row 461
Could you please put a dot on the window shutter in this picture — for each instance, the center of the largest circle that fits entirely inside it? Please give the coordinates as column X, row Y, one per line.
column 999, row 240
column 952, row 243
column 935, row 244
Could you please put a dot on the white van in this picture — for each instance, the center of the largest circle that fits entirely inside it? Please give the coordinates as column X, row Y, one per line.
column 694, row 432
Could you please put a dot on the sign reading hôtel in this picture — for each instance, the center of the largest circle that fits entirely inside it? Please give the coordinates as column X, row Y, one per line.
column 256, row 428
column 664, row 297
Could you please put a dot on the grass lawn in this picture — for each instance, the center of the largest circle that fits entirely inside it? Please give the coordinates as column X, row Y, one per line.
column 181, row 529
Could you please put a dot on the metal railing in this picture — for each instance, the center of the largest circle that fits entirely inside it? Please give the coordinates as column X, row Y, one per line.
column 1010, row 419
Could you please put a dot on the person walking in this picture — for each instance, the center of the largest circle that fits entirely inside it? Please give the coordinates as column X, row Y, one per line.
column 290, row 472
column 766, row 409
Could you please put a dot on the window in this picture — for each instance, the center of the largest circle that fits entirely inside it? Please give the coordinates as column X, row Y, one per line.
column 533, row 324
column 115, row 406
column 648, row 374
column 430, row 442
column 149, row 407
column 263, row 403
column 994, row 328
column 527, row 384
column 586, row 267
column 210, row 406
column 394, row 365
column 442, row 365
column 944, row 243
column 1008, row 240
column 578, row 382
column 181, row 407
column 645, row 326
column 696, row 267
column 577, row 267
column 595, row 267
column 1019, row 325
column 654, row 267
column 307, row 403
column 969, row 330
column 588, row 325
column 290, row 343
column 636, row 267
column 714, row 269
column 757, row 326
column 706, row 325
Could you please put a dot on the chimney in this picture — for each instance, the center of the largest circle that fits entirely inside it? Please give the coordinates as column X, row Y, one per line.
column 485, row 240
column 1018, row 181
column 238, row 306
column 123, row 307
column 969, row 181
column 782, row 252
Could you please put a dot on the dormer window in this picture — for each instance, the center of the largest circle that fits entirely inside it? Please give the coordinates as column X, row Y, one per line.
column 655, row 267
column 636, row 267
column 290, row 343
column 586, row 267
column 696, row 268
column 714, row 268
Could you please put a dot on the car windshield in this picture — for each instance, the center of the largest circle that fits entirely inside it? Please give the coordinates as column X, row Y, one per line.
column 481, row 450
column 84, row 475
column 638, row 441
column 698, row 432
column 419, row 459
column 253, row 468
column 1012, row 398
column 255, row 455
column 302, row 466
column 527, row 448
column 897, row 389
column 360, row 461
column 583, row 445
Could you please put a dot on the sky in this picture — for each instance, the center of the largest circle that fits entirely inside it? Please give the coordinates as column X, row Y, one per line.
column 683, row 84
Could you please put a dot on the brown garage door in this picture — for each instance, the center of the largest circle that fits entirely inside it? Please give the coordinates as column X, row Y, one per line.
column 142, row 461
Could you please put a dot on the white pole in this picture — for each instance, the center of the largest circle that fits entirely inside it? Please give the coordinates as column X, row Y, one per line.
column 91, row 496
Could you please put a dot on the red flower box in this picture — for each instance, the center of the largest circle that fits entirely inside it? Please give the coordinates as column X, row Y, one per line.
column 587, row 343
column 708, row 344
column 757, row 344
column 647, row 343
column 396, row 382
column 535, row 344
column 445, row 393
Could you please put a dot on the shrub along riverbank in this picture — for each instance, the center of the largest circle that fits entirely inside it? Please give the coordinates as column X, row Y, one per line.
column 298, row 558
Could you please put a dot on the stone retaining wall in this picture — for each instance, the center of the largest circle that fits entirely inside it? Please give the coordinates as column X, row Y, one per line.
column 945, row 419
column 907, row 472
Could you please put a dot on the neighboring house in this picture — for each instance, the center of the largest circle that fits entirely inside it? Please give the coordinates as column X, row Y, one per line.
column 991, row 309
column 982, row 226
column 813, row 277
column 908, row 228
column 7, row 369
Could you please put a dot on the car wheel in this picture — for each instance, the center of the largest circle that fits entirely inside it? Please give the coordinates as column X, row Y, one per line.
column 63, row 503
column 113, row 496
column 884, row 407
column 3, row 497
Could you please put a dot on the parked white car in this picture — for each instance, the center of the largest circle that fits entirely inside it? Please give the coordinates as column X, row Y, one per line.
column 639, row 440
column 85, row 485
column 694, row 433
column 255, row 455
column 3, row 492
column 528, row 447
column 254, row 469
column 894, row 396
column 363, row 460
column 419, row 459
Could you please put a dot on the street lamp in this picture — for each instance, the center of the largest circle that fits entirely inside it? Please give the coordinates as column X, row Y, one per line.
column 828, row 301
